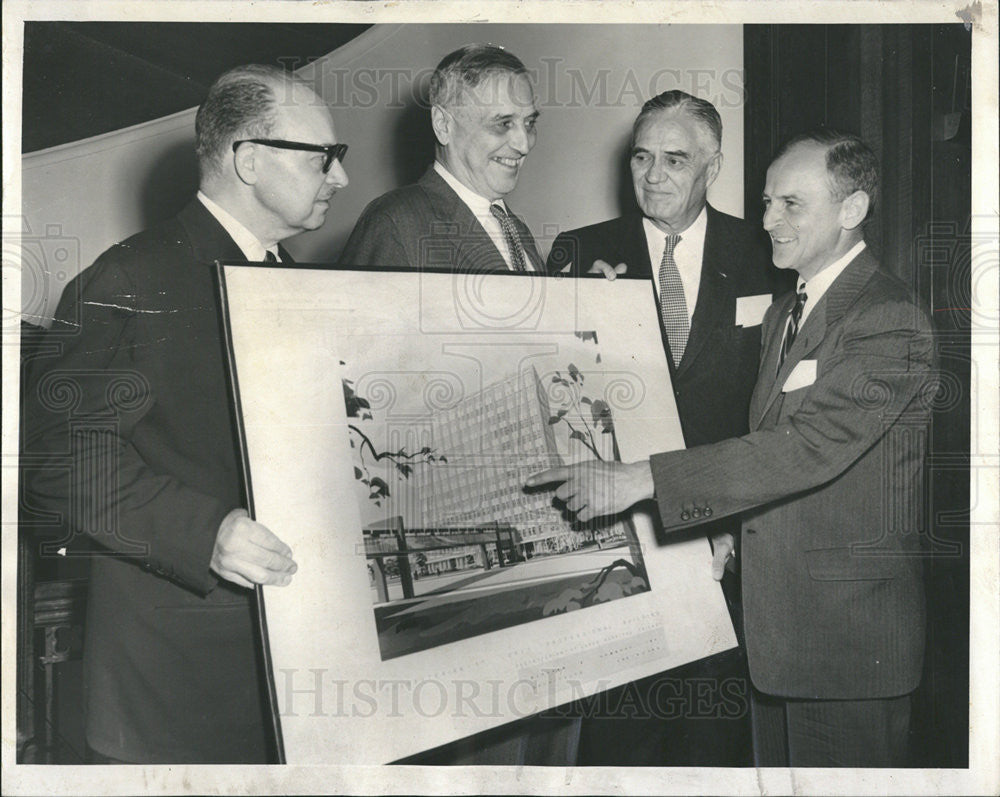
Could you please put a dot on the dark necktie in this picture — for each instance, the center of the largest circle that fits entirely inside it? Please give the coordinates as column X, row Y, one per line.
column 269, row 256
column 510, row 234
column 792, row 327
column 673, row 307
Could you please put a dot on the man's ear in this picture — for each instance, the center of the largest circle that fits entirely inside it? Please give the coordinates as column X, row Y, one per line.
column 244, row 160
column 441, row 123
column 853, row 210
column 713, row 168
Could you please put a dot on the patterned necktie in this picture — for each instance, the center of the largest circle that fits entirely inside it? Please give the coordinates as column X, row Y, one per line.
column 792, row 327
column 510, row 234
column 673, row 307
column 270, row 257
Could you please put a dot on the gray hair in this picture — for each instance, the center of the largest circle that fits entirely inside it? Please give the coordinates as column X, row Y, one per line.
column 240, row 104
column 467, row 67
column 701, row 110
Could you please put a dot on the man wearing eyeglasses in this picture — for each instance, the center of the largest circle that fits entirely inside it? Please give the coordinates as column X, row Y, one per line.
column 171, row 664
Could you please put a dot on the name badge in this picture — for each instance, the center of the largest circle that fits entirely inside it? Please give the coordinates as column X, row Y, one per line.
column 750, row 309
column 802, row 375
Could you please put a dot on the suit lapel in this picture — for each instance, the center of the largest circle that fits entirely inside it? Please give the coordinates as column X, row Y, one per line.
column 470, row 236
column 634, row 249
column 209, row 239
column 712, row 307
column 527, row 242
column 828, row 311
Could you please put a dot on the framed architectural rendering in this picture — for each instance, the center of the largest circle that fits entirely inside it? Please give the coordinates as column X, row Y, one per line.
column 390, row 420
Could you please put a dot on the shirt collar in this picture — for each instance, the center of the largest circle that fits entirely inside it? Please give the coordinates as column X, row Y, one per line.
column 249, row 244
column 479, row 205
column 692, row 238
column 818, row 285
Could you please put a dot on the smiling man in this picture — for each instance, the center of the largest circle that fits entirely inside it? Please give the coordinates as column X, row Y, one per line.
column 483, row 115
column 172, row 670
column 712, row 282
column 827, row 484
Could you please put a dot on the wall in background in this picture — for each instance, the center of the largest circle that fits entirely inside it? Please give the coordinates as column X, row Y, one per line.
column 79, row 198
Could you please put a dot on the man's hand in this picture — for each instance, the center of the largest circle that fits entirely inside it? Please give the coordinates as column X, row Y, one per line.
column 596, row 489
column 247, row 553
column 723, row 548
column 610, row 272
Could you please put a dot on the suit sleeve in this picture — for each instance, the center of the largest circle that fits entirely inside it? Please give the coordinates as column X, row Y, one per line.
column 375, row 241
column 878, row 369
column 82, row 410
column 562, row 254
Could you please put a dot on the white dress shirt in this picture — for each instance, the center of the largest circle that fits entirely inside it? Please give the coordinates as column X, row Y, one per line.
column 818, row 285
column 480, row 207
column 688, row 255
column 249, row 244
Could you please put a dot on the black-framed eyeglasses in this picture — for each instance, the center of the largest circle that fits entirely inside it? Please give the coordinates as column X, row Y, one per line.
column 333, row 152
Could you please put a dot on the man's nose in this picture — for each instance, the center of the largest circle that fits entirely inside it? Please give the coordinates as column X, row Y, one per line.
column 771, row 216
column 337, row 175
column 657, row 172
column 521, row 139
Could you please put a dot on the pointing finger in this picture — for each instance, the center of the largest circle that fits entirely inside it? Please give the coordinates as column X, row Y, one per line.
column 550, row 476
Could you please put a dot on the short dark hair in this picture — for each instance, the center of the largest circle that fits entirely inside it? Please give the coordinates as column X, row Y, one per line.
column 850, row 162
column 466, row 67
column 699, row 109
column 241, row 103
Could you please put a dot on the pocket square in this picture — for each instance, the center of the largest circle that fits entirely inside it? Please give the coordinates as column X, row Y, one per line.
column 750, row 309
column 802, row 375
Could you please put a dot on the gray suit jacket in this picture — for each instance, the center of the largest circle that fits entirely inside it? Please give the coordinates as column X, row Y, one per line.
column 829, row 484
column 427, row 225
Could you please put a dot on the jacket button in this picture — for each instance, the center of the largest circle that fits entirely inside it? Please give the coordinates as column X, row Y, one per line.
column 696, row 512
column 685, row 515
column 708, row 511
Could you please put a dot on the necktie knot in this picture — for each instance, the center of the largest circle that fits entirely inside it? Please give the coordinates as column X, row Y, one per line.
column 672, row 240
column 270, row 257
column 800, row 302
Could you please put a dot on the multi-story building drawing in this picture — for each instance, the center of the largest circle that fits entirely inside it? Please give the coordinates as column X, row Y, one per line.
column 494, row 440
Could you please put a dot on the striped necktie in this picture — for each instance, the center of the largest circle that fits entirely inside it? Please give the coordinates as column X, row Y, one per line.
column 510, row 234
column 673, row 307
column 792, row 327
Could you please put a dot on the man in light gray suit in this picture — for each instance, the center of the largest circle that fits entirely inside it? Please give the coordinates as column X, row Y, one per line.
column 455, row 218
column 828, row 481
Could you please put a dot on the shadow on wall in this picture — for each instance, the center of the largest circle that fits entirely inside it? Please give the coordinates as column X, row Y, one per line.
column 169, row 185
column 625, row 194
column 413, row 144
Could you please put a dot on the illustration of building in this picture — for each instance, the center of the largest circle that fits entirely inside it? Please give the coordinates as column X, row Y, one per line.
column 494, row 440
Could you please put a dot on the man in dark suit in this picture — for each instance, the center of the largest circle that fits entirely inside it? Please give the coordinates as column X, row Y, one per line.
column 133, row 417
column 828, row 480
column 454, row 217
column 725, row 281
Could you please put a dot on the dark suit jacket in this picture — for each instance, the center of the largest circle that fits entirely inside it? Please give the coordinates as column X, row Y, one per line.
column 133, row 418
column 829, row 484
column 716, row 376
column 427, row 225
